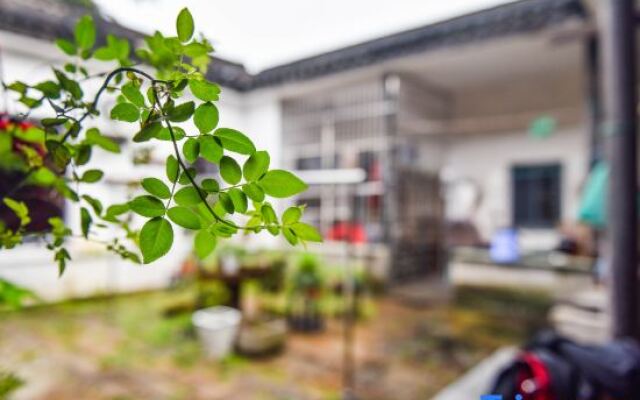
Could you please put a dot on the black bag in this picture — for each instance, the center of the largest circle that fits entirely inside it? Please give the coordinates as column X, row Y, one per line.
column 552, row 367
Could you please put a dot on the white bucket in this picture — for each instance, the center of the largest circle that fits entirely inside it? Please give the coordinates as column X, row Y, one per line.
column 217, row 328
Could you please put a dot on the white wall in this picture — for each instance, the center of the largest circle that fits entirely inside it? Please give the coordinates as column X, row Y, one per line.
column 487, row 160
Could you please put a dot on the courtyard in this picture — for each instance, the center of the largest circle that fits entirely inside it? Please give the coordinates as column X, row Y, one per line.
column 129, row 348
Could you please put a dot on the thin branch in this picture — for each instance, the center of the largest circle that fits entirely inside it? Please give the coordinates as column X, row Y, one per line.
column 185, row 169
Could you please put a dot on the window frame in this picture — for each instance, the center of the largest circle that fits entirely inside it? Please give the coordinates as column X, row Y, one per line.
column 519, row 219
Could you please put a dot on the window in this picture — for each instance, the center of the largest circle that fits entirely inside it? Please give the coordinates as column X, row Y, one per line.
column 536, row 195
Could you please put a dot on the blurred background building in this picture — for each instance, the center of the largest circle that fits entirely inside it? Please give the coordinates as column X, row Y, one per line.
column 462, row 127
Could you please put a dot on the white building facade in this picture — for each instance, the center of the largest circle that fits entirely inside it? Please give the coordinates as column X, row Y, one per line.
column 454, row 101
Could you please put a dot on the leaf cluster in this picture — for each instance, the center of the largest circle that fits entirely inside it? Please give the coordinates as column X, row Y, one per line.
column 163, row 100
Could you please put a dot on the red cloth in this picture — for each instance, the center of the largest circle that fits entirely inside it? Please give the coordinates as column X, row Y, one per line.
column 347, row 232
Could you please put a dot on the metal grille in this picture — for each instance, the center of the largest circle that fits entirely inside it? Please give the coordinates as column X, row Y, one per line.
column 361, row 126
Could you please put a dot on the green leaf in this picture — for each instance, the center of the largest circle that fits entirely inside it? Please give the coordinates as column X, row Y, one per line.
column 235, row 141
column 184, row 177
column 191, row 149
column 61, row 256
column 172, row 169
column 230, row 170
column 210, row 185
column 268, row 214
column 95, row 204
column 204, row 243
column 239, row 200
column 104, row 54
column 206, row 117
column 203, row 90
column 184, row 217
column 83, row 154
column 19, row 87
column 67, row 47
column 254, row 223
column 20, row 209
column 291, row 215
column 73, row 130
column 290, row 236
column 125, row 112
column 156, row 238
column 147, row 206
column 44, row 177
column 115, row 210
column 165, row 133
column 85, row 222
column 182, row 112
column 256, row 166
column 133, row 94
column 151, row 95
column 120, row 47
column 184, row 25
column 69, row 85
column 49, row 88
column 306, row 232
column 156, row 187
column 210, row 150
column 59, row 153
column 196, row 50
column 253, row 191
column 148, row 132
column 92, row 175
column 187, row 196
column 223, row 230
column 85, row 33
column 94, row 137
column 279, row 183
column 66, row 191
column 226, row 202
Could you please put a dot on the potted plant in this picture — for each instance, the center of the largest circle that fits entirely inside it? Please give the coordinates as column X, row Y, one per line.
column 307, row 289
column 264, row 332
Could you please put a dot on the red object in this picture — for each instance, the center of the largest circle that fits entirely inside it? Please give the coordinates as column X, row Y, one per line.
column 347, row 232
column 7, row 125
column 538, row 375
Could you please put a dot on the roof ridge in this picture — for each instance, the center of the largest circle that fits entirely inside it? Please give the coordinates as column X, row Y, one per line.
column 520, row 16
column 402, row 43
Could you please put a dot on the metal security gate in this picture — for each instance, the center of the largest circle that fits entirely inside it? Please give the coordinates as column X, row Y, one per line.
column 364, row 125
column 417, row 250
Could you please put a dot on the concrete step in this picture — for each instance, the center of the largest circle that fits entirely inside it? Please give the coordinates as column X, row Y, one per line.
column 583, row 317
column 422, row 293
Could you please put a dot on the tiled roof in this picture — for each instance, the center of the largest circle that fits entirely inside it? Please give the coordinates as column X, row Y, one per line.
column 51, row 19
column 29, row 18
column 508, row 19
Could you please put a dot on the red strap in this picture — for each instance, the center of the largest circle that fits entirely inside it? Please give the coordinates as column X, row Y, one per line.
column 540, row 376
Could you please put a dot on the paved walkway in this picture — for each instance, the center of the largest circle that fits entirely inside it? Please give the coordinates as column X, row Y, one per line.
column 478, row 380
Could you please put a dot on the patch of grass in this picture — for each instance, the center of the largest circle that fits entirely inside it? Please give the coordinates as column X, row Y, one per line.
column 479, row 321
column 507, row 315
column 9, row 383
column 135, row 334
column 231, row 364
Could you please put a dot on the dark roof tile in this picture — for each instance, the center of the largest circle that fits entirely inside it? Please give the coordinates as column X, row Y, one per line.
column 49, row 19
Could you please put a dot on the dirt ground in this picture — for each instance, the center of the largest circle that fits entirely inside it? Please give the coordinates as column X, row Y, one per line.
column 125, row 348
